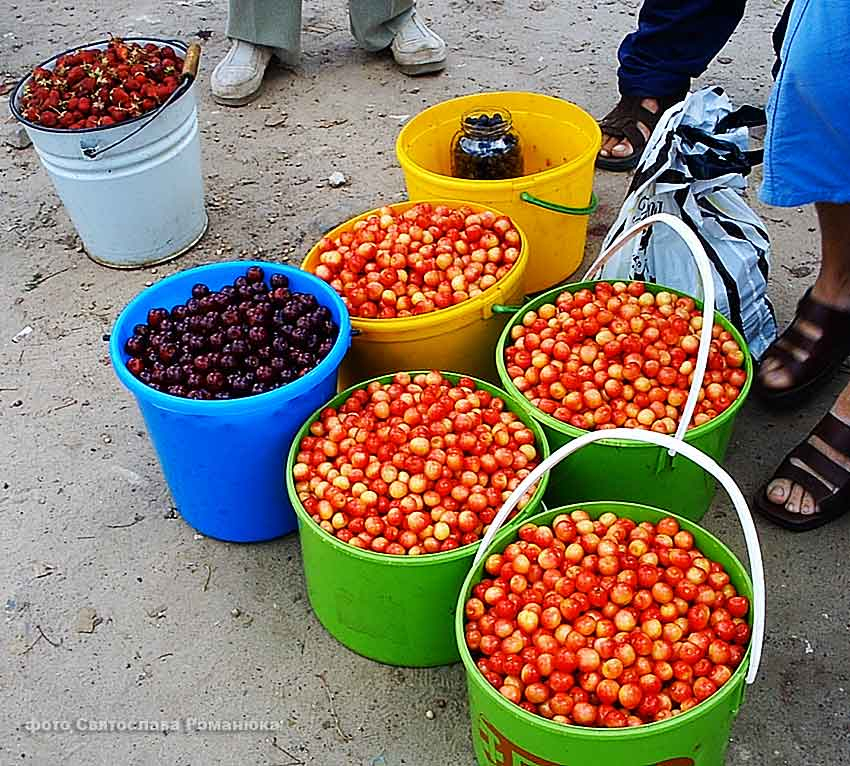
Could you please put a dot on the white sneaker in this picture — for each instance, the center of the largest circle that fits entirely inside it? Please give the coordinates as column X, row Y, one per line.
column 238, row 77
column 417, row 49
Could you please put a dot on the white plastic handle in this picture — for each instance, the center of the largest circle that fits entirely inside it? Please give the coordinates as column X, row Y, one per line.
column 707, row 278
column 693, row 454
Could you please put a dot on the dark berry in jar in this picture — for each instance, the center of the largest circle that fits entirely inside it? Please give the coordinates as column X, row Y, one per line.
column 486, row 147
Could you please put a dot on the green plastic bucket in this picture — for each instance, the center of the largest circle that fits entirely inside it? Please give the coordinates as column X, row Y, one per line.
column 635, row 472
column 504, row 733
column 394, row 609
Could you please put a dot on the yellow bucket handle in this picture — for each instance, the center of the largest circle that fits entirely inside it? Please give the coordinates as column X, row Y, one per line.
column 556, row 208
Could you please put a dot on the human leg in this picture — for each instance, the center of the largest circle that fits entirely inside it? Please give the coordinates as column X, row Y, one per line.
column 378, row 24
column 258, row 29
column 675, row 41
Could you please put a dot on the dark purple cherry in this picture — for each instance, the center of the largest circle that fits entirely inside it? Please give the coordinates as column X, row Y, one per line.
column 197, row 343
column 258, row 336
column 179, row 312
column 278, row 280
column 255, row 274
column 200, row 291
column 231, row 317
column 215, row 380
column 265, row 374
column 135, row 346
column 156, row 315
column 167, row 352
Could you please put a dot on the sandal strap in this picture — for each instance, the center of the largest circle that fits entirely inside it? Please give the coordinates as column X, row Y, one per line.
column 821, row 354
column 622, row 121
column 811, row 484
column 825, row 317
column 797, row 369
column 832, row 472
column 835, row 432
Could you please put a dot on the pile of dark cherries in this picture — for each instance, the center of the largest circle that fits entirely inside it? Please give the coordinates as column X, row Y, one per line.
column 246, row 338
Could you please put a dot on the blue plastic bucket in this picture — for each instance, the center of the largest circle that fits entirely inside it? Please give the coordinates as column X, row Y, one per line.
column 223, row 460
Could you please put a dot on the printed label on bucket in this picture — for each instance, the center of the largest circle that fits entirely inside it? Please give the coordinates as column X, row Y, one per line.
column 498, row 750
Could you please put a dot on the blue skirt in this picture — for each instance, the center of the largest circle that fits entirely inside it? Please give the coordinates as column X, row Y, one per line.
column 807, row 147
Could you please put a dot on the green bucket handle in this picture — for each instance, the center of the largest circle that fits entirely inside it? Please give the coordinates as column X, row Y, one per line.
column 693, row 454
column 707, row 279
column 556, row 208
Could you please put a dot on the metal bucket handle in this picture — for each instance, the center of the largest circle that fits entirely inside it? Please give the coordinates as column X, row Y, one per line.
column 707, row 278
column 693, row 454
column 187, row 77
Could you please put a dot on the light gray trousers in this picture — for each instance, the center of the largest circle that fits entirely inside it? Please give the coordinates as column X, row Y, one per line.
column 277, row 23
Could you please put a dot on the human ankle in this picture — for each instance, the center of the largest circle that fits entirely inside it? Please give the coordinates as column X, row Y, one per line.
column 832, row 290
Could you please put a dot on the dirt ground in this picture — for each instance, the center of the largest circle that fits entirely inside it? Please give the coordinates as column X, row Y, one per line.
column 194, row 628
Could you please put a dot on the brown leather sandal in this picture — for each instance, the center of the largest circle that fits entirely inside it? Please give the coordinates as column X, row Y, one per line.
column 622, row 122
column 829, row 484
column 821, row 357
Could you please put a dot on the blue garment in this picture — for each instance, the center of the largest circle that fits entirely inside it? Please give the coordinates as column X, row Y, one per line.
column 675, row 41
column 807, row 147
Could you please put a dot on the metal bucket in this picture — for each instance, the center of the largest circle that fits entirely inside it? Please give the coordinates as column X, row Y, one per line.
column 133, row 203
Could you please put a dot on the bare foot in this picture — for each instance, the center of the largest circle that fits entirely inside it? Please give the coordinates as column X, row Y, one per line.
column 794, row 497
column 620, row 148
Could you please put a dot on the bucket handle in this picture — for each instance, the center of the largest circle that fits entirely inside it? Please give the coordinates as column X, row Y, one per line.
column 187, row 77
column 556, row 208
column 705, row 462
column 707, row 279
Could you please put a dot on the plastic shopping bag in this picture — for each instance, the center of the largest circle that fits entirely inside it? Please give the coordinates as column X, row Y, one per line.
column 695, row 167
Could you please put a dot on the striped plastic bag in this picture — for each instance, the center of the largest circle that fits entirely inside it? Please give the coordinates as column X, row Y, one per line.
column 695, row 167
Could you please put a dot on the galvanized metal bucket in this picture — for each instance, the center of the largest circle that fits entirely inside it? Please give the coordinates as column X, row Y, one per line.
column 134, row 191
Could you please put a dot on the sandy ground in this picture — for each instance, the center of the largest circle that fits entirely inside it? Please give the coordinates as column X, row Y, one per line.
column 193, row 628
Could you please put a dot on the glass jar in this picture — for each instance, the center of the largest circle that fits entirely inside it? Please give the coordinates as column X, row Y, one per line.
column 486, row 148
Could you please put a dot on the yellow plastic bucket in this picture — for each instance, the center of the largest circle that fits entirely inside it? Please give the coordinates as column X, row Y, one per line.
column 459, row 338
column 551, row 202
